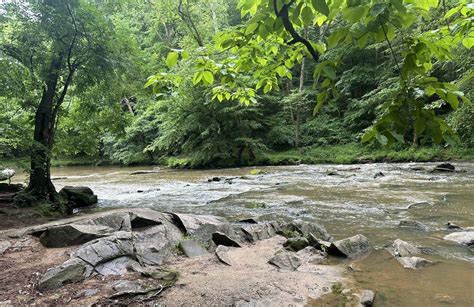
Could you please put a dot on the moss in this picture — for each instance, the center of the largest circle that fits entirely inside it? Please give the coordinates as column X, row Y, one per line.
column 255, row 206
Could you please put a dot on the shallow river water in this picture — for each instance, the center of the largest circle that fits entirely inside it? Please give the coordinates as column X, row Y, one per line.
column 346, row 199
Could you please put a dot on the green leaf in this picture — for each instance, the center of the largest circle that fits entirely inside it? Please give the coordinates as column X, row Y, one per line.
column 281, row 71
column 382, row 139
column 172, row 59
column 468, row 42
column 330, row 72
column 307, row 15
column 420, row 125
column 452, row 100
column 208, row 76
column 197, row 77
column 321, row 6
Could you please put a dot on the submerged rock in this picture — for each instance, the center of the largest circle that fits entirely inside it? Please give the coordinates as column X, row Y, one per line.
column 462, row 237
column 444, row 167
column 352, row 247
column 400, row 248
column 450, row 225
column 413, row 224
column 421, row 204
column 73, row 234
column 222, row 254
column 413, row 262
column 286, row 261
column 379, row 174
column 78, row 197
column 192, row 248
column 73, row 270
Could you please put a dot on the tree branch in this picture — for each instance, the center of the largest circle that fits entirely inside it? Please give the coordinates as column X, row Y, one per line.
column 284, row 15
column 186, row 17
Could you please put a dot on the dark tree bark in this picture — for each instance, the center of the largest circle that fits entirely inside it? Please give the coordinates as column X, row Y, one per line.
column 40, row 184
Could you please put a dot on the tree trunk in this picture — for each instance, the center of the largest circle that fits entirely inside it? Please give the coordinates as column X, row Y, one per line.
column 298, row 107
column 40, row 184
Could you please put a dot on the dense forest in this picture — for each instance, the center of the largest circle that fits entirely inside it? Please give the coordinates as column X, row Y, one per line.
column 205, row 83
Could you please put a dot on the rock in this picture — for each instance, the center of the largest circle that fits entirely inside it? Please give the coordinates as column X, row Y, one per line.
column 417, row 168
column 462, row 237
column 145, row 172
column 118, row 266
column 379, row 174
column 73, row 234
column 352, row 247
column 192, row 248
column 126, row 286
column 257, row 232
column 286, row 261
column 422, row 204
column 317, row 243
column 413, row 262
column 220, row 238
column 201, row 227
column 400, row 248
column 214, row 179
column 78, row 197
column 412, row 224
column 105, row 249
column 73, row 270
column 444, row 167
column 296, row 244
column 119, row 221
column 304, row 228
column 311, row 255
column 221, row 253
column 367, row 298
column 4, row 245
column 153, row 245
column 450, row 225
column 146, row 218
column 90, row 292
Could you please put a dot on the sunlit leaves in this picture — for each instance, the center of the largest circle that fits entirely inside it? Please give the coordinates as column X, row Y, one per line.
column 321, row 6
column 172, row 59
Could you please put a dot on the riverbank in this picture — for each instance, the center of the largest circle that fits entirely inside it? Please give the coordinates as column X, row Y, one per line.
column 337, row 154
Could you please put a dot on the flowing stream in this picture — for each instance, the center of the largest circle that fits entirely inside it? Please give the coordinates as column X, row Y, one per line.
column 346, row 199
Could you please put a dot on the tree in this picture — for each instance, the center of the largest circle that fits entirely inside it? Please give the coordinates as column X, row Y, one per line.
column 64, row 45
column 272, row 42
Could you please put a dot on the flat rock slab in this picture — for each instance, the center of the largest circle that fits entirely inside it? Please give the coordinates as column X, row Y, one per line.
column 413, row 225
column 352, row 247
column 115, row 267
column 192, row 248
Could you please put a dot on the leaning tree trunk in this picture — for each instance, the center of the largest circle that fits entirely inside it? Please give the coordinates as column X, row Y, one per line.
column 40, row 185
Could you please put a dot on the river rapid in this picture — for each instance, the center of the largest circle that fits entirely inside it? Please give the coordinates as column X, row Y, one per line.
column 346, row 199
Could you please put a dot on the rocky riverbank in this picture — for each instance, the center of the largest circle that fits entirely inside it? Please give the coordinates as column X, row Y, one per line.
column 141, row 255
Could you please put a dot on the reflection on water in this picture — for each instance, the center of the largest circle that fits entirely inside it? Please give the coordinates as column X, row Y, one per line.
column 346, row 199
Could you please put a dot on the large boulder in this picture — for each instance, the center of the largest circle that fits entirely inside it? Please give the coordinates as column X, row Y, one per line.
column 73, row 234
column 78, row 197
column 462, row 237
column 352, row 247
column 73, row 270
column 220, row 238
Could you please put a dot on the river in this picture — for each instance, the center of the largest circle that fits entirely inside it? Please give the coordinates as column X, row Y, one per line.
column 346, row 199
